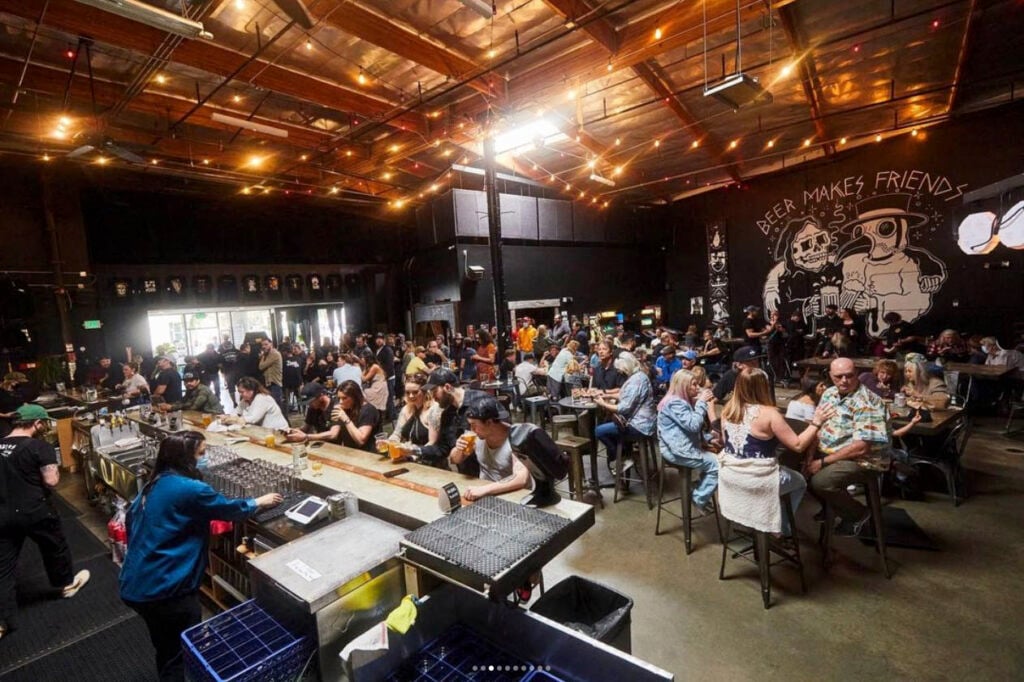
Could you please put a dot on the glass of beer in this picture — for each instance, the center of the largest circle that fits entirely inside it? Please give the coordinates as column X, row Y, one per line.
column 270, row 441
column 317, row 467
column 381, row 443
column 207, row 419
column 470, row 439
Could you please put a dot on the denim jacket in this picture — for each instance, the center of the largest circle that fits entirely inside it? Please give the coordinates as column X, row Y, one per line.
column 680, row 427
column 636, row 403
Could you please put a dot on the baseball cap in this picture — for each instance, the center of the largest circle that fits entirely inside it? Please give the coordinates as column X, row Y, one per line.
column 690, row 355
column 189, row 376
column 668, row 350
column 164, row 357
column 440, row 377
column 31, row 412
column 16, row 377
column 745, row 353
column 751, row 309
column 313, row 390
column 487, row 407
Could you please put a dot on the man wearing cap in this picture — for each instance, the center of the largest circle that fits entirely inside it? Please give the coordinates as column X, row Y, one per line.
column 689, row 359
column 443, row 387
column 29, row 472
column 198, row 397
column 745, row 358
column 317, row 425
column 666, row 365
column 754, row 326
column 488, row 419
column 167, row 384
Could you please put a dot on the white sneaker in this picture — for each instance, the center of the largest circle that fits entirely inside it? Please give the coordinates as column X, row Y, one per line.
column 81, row 578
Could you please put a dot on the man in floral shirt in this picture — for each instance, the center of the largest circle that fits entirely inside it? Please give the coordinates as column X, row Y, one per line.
column 859, row 426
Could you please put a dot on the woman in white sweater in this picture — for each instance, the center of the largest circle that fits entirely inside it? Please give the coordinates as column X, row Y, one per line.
column 257, row 406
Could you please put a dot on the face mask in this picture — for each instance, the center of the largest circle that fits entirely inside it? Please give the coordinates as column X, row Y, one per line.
column 984, row 349
column 203, row 463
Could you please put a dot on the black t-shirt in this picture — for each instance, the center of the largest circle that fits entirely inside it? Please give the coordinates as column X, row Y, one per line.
column 291, row 372
column 583, row 338
column 830, row 324
column 21, row 459
column 755, row 325
column 903, row 330
column 725, row 385
column 433, row 359
column 368, row 416
column 172, row 380
column 608, row 379
column 318, row 421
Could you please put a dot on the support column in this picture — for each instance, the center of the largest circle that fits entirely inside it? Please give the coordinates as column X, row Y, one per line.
column 501, row 334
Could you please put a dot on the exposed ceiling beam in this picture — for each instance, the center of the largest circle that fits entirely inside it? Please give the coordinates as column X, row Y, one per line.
column 809, row 80
column 397, row 38
column 600, row 30
column 965, row 44
column 711, row 144
column 68, row 16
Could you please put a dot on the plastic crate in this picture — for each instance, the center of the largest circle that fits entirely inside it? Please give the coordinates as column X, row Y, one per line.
column 460, row 654
column 242, row 644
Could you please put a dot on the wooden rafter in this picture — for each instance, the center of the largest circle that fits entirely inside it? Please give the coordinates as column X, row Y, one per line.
column 809, row 80
column 104, row 27
column 396, row 38
column 965, row 44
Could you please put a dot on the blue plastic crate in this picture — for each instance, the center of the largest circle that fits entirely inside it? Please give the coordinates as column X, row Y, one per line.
column 242, row 644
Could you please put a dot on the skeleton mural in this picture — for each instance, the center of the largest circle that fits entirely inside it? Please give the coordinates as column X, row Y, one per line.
column 718, row 266
column 863, row 259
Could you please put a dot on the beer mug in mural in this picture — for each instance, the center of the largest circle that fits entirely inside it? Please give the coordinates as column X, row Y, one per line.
column 829, row 296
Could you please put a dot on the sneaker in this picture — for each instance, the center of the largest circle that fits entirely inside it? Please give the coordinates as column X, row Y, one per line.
column 852, row 529
column 81, row 578
column 706, row 509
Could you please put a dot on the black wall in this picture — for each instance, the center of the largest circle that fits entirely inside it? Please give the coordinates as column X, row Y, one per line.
column 926, row 175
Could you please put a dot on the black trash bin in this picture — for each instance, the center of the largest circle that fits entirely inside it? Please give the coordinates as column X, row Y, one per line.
column 590, row 608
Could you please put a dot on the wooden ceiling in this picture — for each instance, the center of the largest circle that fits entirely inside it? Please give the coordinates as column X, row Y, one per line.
column 377, row 101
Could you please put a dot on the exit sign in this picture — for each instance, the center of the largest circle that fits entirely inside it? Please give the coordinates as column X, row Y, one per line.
column 92, row 324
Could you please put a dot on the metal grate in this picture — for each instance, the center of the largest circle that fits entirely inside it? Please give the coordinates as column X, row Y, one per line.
column 489, row 536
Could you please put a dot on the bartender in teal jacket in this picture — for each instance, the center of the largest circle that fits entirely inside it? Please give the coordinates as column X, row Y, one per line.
column 168, row 537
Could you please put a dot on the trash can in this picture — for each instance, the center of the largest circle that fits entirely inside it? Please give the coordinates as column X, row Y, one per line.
column 590, row 608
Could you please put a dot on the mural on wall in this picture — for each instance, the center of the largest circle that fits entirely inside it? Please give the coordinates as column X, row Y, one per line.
column 857, row 243
column 718, row 271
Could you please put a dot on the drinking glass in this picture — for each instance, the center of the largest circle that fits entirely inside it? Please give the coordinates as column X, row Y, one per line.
column 317, row 467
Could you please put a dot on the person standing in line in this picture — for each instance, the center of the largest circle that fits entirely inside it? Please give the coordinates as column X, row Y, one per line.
column 28, row 475
column 272, row 369
column 168, row 545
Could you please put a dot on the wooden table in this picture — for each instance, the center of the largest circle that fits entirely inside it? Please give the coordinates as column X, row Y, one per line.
column 942, row 422
column 865, row 364
column 981, row 372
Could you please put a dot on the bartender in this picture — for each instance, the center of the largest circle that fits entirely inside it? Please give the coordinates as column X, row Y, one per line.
column 198, row 397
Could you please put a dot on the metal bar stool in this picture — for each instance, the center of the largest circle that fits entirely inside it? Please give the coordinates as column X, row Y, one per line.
column 622, row 480
column 685, row 497
column 562, row 423
column 536, row 407
column 874, row 500
column 757, row 547
column 575, row 447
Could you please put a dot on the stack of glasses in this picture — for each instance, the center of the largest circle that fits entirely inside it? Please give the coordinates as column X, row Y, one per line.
column 241, row 478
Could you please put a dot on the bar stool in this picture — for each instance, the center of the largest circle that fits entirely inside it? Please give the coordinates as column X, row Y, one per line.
column 646, row 451
column 575, row 447
column 537, row 407
column 685, row 497
column 757, row 547
column 874, row 500
column 564, row 423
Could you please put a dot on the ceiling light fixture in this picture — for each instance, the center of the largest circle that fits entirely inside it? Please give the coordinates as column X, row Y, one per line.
column 152, row 16
column 603, row 180
column 249, row 125
column 481, row 7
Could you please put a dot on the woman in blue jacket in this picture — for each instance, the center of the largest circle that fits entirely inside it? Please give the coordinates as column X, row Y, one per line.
column 681, row 417
column 168, row 537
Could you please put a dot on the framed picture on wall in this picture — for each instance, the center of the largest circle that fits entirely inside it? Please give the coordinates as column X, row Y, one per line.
column 202, row 287
column 176, row 286
column 150, row 287
column 315, row 284
column 227, row 288
column 272, row 285
column 251, row 286
column 293, row 283
column 697, row 306
column 122, row 289
column 333, row 282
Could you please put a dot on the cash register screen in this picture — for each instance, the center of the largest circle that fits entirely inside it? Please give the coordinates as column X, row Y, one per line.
column 309, row 508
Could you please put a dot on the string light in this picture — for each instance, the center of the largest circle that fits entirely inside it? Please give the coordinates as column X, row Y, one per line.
column 154, row 162
column 361, row 78
column 386, row 176
column 657, row 33
column 771, row 143
column 102, row 160
column 734, row 144
column 568, row 187
column 552, row 178
column 491, row 53
column 239, row 4
column 571, row 94
column 617, row 170
column 394, row 148
column 309, row 45
column 807, row 142
column 878, row 137
column 787, row 69
column 246, row 190
column 348, row 152
column 609, row 66
column 334, row 190
column 617, row 142
column 304, row 157
column 236, row 99
column 842, row 140
column 206, row 162
column 161, row 79
column 255, row 161
column 657, row 143
column 46, row 157
column 914, row 132
column 694, row 144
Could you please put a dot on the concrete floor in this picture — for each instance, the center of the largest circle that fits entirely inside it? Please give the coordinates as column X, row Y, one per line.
column 948, row 615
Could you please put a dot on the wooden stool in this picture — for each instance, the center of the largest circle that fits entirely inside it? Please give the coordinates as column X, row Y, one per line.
column 576, row 447
column 562, row 423
column 874, row 500
column 646, row 452
column 685, row 497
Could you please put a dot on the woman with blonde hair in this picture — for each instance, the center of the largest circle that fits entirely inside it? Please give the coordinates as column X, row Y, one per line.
column 922, row 388
column 682, row 414
column 752, row 427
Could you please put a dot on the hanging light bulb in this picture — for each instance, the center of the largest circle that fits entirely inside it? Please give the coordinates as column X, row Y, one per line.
column 362, row 77
column 657, row 33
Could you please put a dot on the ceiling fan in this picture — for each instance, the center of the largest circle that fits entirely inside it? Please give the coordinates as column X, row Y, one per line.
column 95, row 140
